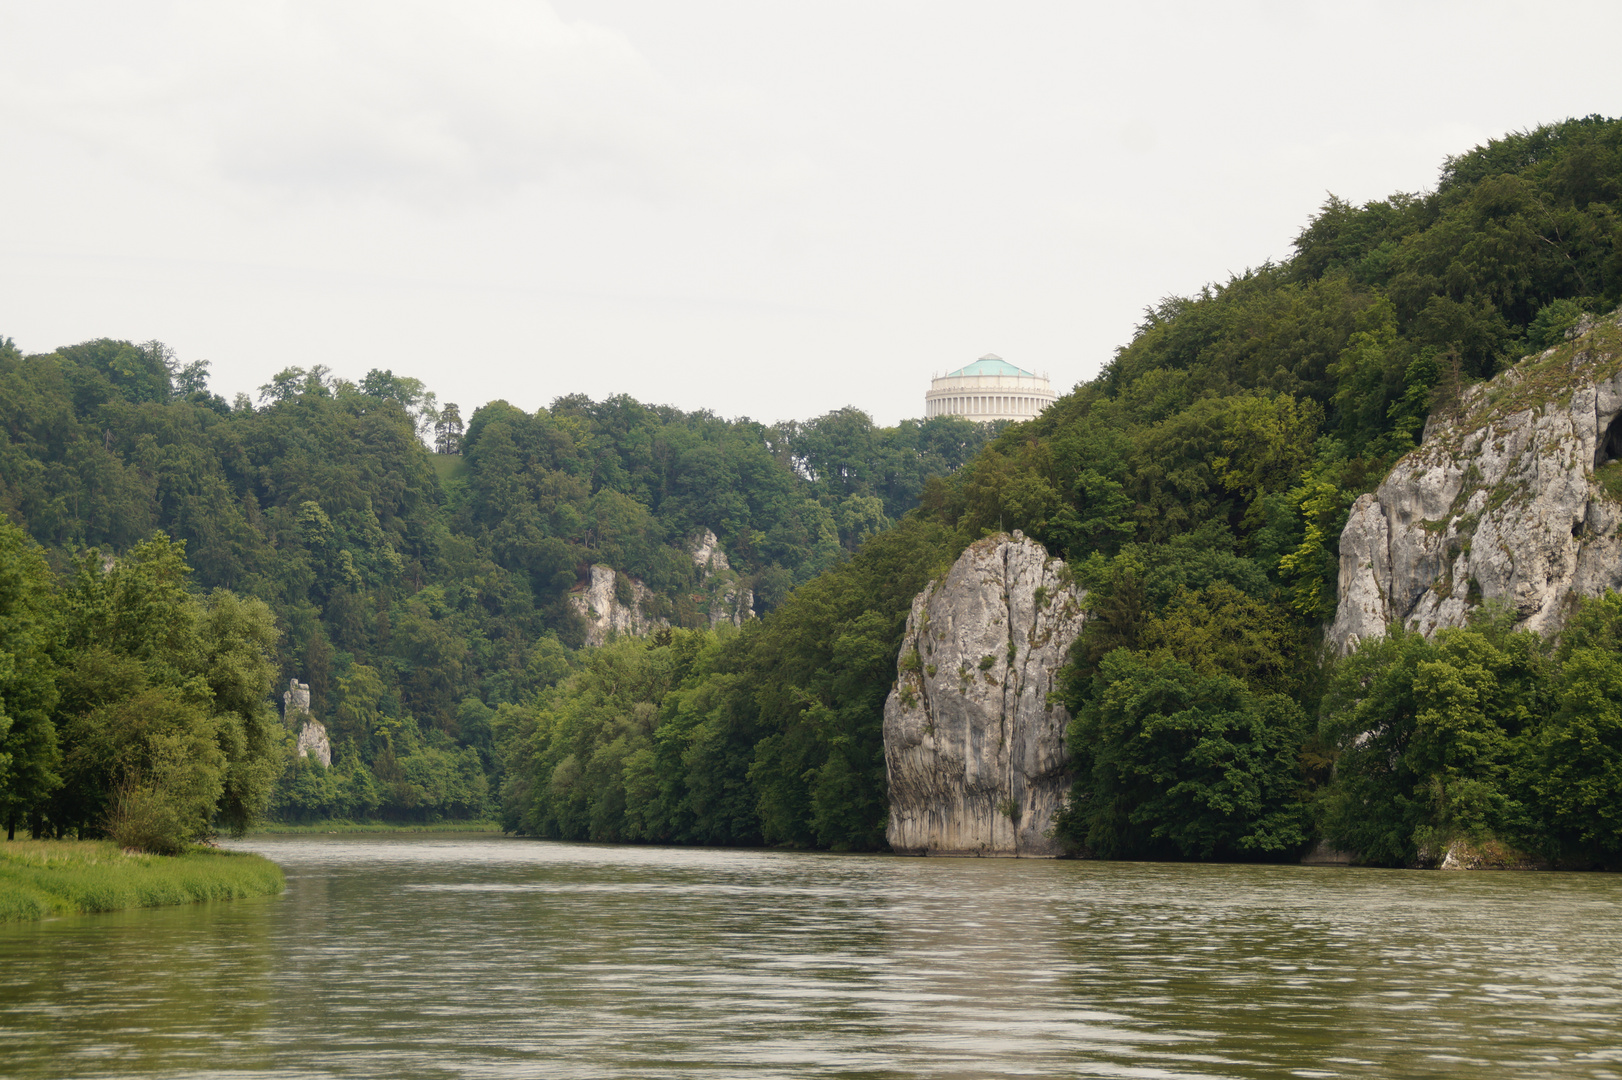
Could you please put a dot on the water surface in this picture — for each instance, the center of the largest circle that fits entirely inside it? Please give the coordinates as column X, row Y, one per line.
column 453, row 956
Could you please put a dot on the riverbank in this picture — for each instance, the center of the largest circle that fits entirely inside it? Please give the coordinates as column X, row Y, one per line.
column 39, row 878
column 337, row 825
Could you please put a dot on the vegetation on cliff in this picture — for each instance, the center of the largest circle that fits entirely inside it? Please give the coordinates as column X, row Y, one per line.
column 418, row 596
column 1197, row 489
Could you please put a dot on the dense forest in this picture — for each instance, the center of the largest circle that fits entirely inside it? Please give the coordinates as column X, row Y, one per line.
column 418, row 593
column 1196, row 487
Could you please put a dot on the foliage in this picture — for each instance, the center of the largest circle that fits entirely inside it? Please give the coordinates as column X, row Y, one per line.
column 29, row 755
column 1196, row 489
column 1576, row 755
column 1173, row 762
column 772, row 734
column 134, row 706
column 1431, row 737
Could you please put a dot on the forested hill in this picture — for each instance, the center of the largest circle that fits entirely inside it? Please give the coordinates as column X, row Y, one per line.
column 323, row 501
column 1197, row 488
column 416, row 591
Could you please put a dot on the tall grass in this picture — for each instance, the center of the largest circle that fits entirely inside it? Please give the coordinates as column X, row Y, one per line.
column 62, row 877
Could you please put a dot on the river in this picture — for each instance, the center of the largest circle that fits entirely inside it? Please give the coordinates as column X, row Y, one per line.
column 487, row 956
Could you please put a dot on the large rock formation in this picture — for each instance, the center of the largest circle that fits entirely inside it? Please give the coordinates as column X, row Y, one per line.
column 312, row 733
column 728, row 600
column 614, row 604
column 1515, row 496
column 973, row 742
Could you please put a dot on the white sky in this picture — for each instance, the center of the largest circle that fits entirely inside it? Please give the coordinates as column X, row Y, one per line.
column 769, row 209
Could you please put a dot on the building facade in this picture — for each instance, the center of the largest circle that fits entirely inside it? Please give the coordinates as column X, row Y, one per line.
column 987, row 390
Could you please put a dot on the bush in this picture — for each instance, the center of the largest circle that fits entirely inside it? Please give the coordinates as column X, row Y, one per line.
column 144, row 819
column 167, row 808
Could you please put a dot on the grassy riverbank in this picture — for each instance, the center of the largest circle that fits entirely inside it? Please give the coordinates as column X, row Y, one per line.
column 65, row 877
column 337, row 825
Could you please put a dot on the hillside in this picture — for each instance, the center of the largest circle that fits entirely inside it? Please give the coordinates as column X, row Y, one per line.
column 417, row 592
column 1197, row 489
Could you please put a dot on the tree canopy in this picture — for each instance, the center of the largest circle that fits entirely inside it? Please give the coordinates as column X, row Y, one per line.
column 1197, row 488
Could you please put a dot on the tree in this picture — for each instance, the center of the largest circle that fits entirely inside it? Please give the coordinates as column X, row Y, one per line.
column 1427, row 736
column 1578, row 758
column 1170, row 761
column 417, row 400
column 29, row 759
column 163, row 725
column 448, row 430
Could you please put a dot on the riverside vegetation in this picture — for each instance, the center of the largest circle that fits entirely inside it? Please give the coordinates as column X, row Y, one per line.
column 39, row 878
column 1196, row 488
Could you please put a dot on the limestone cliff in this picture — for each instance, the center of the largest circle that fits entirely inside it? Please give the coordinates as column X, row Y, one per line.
column 728, row 600
column 312, row 733
column 973, row 744
column 614, row 604
column 1515, row 495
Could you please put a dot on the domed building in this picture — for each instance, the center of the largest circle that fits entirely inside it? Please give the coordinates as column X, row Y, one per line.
column 987, row 390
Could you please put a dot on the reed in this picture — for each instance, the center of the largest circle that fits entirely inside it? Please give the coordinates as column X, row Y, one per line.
column 40, row 878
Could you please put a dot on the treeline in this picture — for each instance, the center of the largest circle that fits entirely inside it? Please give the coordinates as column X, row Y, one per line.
column 768, row 734
column 419, row 593
column 1198, row 488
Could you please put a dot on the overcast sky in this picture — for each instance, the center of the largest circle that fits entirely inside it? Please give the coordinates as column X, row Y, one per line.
column 763, row 209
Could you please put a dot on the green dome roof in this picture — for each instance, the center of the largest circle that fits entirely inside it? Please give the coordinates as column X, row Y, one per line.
column 990, row 364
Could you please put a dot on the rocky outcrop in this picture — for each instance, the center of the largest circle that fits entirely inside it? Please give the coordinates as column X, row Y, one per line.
column 1323, row 854
column 614, row 604
column 973, row 742
column 312, row 733
column 705, row 548
column 1489, row 855
column 1515, row 496
column 728, row 601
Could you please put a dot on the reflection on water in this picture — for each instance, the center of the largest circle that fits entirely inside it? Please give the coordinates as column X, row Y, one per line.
column 488, row 956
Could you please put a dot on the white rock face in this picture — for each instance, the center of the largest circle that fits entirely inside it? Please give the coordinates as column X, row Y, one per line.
column 705, row 548
column 974, row 749
column 312, row 737
column 312, row 733
column 728, row 601
column 605, row 615
column 296, row 700
column 731, row 604
column 1506, row 500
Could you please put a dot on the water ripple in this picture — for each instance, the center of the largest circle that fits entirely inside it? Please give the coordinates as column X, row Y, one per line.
column 485, row 956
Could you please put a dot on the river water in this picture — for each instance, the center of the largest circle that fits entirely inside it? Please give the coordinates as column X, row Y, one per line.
column 486, row 956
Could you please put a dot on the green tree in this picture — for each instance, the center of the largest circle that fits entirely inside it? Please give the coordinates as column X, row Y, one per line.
column 1429, row 735
column 163, row 727
column 1173, row 762
column 1577, row 761
column 28, row 745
